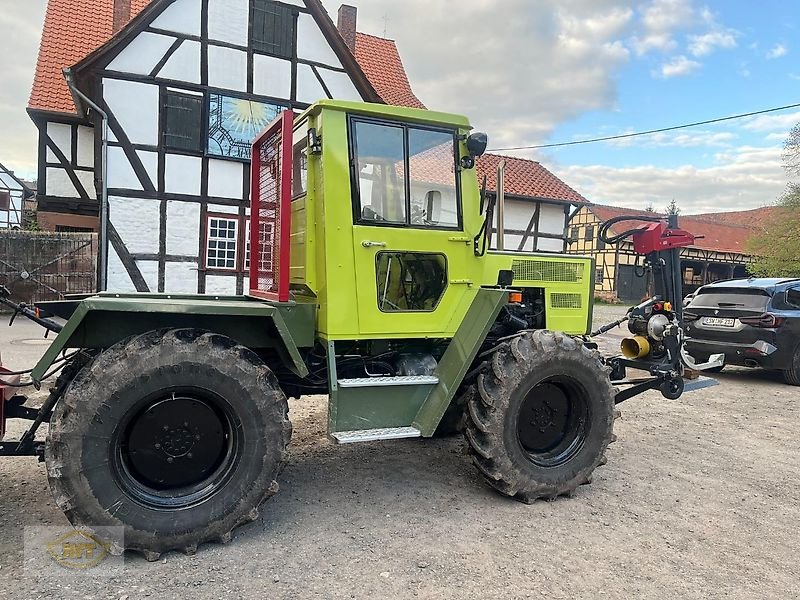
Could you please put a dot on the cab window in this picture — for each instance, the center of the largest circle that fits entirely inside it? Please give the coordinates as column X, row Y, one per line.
column 404, row 176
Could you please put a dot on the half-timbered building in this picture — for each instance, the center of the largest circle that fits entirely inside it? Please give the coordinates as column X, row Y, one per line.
column 184, row 86
column 13, row 194
column 719, row 252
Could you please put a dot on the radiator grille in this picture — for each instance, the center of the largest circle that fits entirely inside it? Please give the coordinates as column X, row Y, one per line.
column 546, row 270
column 560, row 300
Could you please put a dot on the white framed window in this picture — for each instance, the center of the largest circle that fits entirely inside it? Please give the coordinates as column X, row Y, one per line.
column 247, row 245
column 222, row 243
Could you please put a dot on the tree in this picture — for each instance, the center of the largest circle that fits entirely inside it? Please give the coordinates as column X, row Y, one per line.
column 777, row 247
column 649, row 208
column 672, row 208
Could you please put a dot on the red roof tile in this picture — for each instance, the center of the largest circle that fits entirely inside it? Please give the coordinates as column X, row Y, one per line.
column 526, row 178
column 72, row 29
column 381, row 62
column 756, row 217
column 719, row 230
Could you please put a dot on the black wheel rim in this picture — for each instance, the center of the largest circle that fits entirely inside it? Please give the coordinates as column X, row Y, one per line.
column 177, row 449
column 553, row 421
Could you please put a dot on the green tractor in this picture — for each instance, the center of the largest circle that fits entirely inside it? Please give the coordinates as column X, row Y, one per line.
column 371, row 281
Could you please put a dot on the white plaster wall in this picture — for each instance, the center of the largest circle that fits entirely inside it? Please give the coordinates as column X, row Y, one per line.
column 552, row 219
column 87, row 181
column 117, row 279
column 149, row 271
column 225, row 178
column 228, row 21
column 309, row 89
column 311, row 43
column 549, row 245
column 120, row 171
column 180, row 278
column 85, row 156
column 222, row 285
column 227, row 68
column 272, row 76
column 62, row 136
column 182, row 174
column 137, row 222
column 223, row 208
column 183, row 228
column 142, row 54
column 150, row 163
column 340, row 85
column 183, row 16
column 135, row 105
column 59, row 184
column 518, row 214
column 184, row 64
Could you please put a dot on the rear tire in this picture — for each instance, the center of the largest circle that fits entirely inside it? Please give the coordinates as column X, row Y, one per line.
column 175, row 435
column 792, row 374
column 542, row 418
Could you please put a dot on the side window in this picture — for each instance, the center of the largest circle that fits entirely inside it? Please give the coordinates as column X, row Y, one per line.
column 381, row 172
column 410, row 281
column 432, row 174
column 221, row 238
column 793, row 297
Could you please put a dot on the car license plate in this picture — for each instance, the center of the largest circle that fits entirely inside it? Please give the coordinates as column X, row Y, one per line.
column 718, row 322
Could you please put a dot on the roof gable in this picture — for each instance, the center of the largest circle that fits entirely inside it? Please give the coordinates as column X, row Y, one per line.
column 381, row 62
column 526, row 179
column 78, row 34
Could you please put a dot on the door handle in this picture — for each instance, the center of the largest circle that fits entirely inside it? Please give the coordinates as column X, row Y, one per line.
column 368, row 244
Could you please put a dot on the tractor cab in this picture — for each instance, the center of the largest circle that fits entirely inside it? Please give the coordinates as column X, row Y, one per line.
column 377, row 212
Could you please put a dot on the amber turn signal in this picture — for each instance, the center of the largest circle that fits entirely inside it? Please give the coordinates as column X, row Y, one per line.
column 514, row 297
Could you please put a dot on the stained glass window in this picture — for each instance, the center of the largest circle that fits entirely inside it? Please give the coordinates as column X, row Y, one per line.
column 233, row 123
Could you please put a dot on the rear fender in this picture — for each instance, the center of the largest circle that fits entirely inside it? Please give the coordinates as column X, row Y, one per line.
column 102, row 321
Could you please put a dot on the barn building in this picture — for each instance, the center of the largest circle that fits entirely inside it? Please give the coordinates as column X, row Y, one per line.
column 13, row 196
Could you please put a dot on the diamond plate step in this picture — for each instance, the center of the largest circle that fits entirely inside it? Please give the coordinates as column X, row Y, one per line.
column 372, row 435
column 385, row 381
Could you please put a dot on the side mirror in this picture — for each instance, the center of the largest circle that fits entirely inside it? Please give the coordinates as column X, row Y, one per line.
column 433, row 207
column 793, row 297
column 476, row 145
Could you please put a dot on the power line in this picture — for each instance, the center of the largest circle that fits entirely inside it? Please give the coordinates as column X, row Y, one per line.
column 649, row 132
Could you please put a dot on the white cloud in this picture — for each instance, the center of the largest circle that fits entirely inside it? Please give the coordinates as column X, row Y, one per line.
column 660, row 20
column 678, row 67
column 21, row 24
column 774, row 122
column 701, row 45
column 694, row 139
column 743, row 178
column 777, row 51
column 517, row 76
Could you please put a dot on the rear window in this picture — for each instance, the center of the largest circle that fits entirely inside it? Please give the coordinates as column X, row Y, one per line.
column 753, row 299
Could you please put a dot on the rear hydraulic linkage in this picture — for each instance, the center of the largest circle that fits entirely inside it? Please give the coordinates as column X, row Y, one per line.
column 657, row 345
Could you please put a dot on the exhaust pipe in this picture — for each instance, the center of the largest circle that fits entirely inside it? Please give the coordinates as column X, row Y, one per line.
column 749, row 362
column 501, row 205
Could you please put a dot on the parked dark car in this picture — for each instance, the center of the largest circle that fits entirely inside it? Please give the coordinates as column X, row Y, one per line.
column 753, row 322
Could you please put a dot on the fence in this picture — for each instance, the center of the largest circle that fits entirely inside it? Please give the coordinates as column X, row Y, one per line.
column 37, row 266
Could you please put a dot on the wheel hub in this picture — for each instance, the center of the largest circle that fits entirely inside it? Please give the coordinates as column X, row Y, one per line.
column 175, row 442
column 553, row 421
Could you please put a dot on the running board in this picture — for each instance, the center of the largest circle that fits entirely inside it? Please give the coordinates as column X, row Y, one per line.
column 373, row 435
column 692, row 385
column 387, row 381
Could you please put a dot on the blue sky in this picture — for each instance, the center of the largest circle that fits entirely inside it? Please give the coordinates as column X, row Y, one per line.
column 542, row 71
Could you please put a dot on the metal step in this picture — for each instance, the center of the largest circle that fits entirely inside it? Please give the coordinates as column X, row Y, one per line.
column 385, row 381
column 372, row 435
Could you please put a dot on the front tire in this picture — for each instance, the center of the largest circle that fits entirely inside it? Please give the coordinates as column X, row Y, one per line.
column 175, row 435
column 792, row 374
column 542, row 417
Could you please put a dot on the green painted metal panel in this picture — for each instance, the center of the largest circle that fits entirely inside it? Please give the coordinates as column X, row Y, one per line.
column 101, row 321
column 376, row 407
column 459, row 356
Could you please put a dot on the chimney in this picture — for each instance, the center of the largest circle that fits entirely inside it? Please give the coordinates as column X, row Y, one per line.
column 122, row 14
column 347, row 25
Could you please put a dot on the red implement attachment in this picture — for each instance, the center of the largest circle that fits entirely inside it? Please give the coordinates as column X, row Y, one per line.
column 658, row 236
column 270, row 210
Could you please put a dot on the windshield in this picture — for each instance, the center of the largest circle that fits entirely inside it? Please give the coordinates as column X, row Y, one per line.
column 752, row 299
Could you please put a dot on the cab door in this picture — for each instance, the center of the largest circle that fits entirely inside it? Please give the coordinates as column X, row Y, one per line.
column 413, row 259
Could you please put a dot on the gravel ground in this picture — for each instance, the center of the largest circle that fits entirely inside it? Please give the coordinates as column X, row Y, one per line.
column 699, row 500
